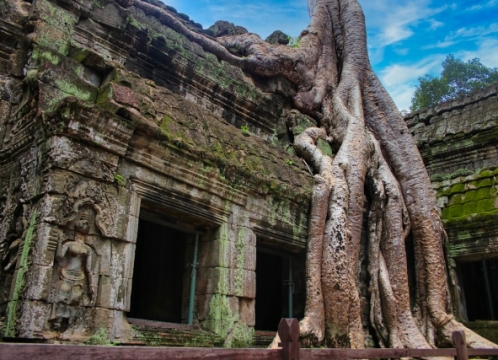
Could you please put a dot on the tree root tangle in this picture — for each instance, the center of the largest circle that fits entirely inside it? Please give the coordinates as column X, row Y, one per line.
column 376, row 160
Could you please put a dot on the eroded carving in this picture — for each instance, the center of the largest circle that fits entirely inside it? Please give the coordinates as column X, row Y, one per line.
column 76, row 269
column 11, row 252
column 103, row 201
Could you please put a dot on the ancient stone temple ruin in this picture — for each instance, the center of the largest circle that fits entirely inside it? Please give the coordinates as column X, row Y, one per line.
column 150, row 193
column 458, row 143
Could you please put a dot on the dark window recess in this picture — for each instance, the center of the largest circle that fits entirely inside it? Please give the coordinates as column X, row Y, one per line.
column 158, row 273
column 480, row 284
column 270, row 294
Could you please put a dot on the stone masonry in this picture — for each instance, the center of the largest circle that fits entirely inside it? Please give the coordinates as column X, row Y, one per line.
column 107, row 113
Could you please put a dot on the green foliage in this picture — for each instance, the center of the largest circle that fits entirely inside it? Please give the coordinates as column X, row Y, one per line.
column 244, row 129
column 294, row 42
column 458, row 78
column 100, row 337
column 120, row 179
column 289, row 162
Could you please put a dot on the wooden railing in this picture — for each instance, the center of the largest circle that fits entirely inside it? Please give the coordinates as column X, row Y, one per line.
column 288, row 331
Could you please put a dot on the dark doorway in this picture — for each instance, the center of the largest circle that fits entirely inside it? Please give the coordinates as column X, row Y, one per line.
column 270, row 295
column 480, row 284
column 158, row 273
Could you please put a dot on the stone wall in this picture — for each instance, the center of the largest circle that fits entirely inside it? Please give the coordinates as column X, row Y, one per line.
column 458, row 142
column 105, row 112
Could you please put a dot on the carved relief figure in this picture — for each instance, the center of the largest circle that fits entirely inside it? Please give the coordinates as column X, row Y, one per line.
column 11, row 253
column 76, row 281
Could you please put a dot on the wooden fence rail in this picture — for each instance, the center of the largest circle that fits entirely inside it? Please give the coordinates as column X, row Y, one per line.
column 288, row 331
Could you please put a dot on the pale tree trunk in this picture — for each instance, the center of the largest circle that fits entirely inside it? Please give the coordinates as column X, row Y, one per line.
column 375, row 159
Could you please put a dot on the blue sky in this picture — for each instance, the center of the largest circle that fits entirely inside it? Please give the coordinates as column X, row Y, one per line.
column 406, row 39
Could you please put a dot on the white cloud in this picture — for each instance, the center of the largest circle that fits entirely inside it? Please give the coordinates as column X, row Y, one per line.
column 490, row 3
column 487, row 52
column 260, row 16
column 402, row 95
column 435, row 24
column 473, row 32
column 393, row 21
column 402, row 51
column 400, row 80
column 396, row 74
column 440, row 45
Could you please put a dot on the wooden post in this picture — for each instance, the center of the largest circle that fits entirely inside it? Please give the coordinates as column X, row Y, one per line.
column 460, row 344
column 288, row 331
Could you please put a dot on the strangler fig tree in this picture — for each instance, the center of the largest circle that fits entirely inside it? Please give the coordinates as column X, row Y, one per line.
column 376, row 167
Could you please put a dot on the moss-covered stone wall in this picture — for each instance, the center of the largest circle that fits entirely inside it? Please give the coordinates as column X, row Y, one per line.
column 106, row 112
column 457, row 141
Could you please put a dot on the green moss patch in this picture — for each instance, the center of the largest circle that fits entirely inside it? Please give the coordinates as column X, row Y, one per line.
column 483, row 193
column 456, row 199
column 457, row 188
column 470, row 208
column 455, row 211
column 470, row 196
column 20, row 278
column 485, row 183
column 486, row 205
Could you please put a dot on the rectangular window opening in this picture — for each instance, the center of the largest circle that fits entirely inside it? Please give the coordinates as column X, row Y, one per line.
column 278, row 275
column 160, row 285
column 480, row 277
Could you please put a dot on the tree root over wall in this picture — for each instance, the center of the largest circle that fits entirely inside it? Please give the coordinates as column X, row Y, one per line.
column 376, row 162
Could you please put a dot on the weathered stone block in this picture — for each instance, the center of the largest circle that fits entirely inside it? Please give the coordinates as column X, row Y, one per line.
column 486, row 205
column 456, row 199
column 113, row 322
column 470, row 208
column 104, row 251
column 47, row 236
column 34, row 316
column 123, row 257
column 49, row 206
column 82, row 159
column 470, row 195
column 54, row 15
column 6, row 282
column 214, row 281
column 216, row 253
column 49, row 96
column 243, row 283
column 131, row 229
column 110, row 15
column 247, row 311
column 38, row 282
column 485, row 183
column 42, row 55
column 204, row 302
column 114, row 293
column 455, row 211
column 120, row 94
column 51, row 37
column 484, row 193
column 68, row 83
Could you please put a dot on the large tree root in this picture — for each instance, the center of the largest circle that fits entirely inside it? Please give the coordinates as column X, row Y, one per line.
column 376, row 159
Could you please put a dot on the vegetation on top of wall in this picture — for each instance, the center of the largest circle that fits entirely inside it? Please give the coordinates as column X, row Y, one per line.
column 457, row 79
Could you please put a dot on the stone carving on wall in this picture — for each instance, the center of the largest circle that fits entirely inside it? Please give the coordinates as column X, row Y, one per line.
column 76, row 269
column 9, row 253
column 11, row 250
column 103, row 201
